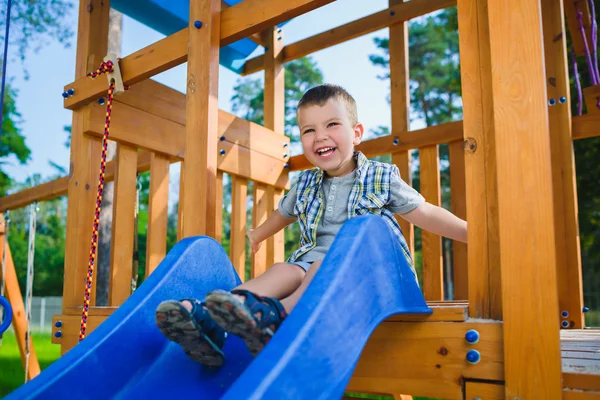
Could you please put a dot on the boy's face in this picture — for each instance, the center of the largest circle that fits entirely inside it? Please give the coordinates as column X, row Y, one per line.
column 328, row 136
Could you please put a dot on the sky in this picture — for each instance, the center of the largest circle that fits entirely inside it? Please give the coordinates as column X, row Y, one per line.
column 41, row 105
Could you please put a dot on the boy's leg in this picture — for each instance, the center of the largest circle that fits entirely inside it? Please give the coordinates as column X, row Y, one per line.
column 290, row 302
column 279, row 281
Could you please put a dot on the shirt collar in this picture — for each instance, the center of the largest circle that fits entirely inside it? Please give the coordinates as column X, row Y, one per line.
column 362, row 163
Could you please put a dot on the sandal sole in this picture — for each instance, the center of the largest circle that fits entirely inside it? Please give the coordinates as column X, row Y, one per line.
column 232, row 315
column 175, row 322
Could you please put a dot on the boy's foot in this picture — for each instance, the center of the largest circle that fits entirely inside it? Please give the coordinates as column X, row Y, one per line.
column 195, row 331
column 255, row 319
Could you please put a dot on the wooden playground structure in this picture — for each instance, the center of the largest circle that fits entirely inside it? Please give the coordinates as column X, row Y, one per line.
column 518, row 283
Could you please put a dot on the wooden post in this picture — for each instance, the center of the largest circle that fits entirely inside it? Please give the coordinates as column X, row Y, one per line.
column 532, row 356
column 259, row 215
column 480, row 161
column 400, row 106
column 202, row 119
column 14, row 297
column 564, row 183
column 274, row 111
column 219, row 207
column 121, row 249
column 459, row 208
column 158, row 212
column 92, row 42
column 237, row 240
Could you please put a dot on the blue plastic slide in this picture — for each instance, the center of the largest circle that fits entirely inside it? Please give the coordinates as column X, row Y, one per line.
column 363, row 280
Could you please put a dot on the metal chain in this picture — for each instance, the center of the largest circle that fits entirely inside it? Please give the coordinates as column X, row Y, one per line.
column 29, row 290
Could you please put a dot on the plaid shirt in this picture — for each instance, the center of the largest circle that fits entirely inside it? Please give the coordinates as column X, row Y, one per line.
column 369, row 195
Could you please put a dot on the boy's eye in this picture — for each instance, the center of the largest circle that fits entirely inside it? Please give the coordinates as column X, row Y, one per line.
column 308, row 130
column 332, row 124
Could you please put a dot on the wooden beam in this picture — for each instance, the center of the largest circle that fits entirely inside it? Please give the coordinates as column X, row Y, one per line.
column 480, row 172
column 158, row 212
column 259, row 216
column 393, row 15
column 59, row 187
column 564, row 179
column 274, row 119
column 398, row 142
column 427, row 358
column 92, row 42
column 237, row 22
column 19, row 321
column 433, row 265
column 219, row 207
column 458, row 197
column 571, row 7
column 237, row 240
column 484, row 390
column 442, row 312
column 121, row 257
column 586, row 126
column 255, row 37
column 527, row 239
column 400, row 108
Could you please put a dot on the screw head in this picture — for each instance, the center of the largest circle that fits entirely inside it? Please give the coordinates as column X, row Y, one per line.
column 58, row 334
column 222, row 138
column 586, row 309
column 101, row 101
column 565, row 324
column 392, row 13
column 552, row 102
column 396, row 141
column 286, row 166
column 198, row 24
column 472, row 336
column 562, row 100
column 65, row 95
column 71, row 92
column 564, row 314
column 58, row 324
column 222, row 152
column 473, row 356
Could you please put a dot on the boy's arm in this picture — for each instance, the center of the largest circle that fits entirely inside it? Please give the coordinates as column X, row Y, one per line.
column 438, row 220
column 274, row 223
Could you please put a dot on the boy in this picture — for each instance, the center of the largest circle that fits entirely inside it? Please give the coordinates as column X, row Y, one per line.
column 344, row 183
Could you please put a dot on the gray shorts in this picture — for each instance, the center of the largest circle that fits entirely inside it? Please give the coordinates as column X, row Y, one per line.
column 305, row 265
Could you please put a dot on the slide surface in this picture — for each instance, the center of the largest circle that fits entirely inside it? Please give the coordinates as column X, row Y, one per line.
column 363, row 280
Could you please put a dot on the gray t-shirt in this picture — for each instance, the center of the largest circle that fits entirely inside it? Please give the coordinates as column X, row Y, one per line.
column 336, row 192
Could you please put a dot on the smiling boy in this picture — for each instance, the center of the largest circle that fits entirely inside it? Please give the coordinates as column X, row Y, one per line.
column 343, row 184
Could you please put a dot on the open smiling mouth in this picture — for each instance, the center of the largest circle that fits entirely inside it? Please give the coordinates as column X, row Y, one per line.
column 326, row 151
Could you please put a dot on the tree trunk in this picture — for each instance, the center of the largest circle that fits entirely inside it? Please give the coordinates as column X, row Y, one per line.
column 106, row 216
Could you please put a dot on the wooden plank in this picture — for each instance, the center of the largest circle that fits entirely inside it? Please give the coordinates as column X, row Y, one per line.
column 219, row 208
column 251, row 16
column 200, row 168
column 591, row 95
column 581, row 381
column 449, row 313
column 59, row 187
column 577, row 395
column 394, row 15
column 180, row 204
column 586, row 126
column 255, row 37
column 19, row 320
column 239, row 21
column 459, row 208
column 564, row 179
column 237, row 240
column 483, row 250
column 527, row 242
column 274, row 119
column 427, row 359
column 70, row 329
column 398, row 142
column 400, row 107
column 121, row 257
column 259, row 216
column 433, row 265
column 92, row 42
column 484, row 390
column 158, row 212
column 93, row 311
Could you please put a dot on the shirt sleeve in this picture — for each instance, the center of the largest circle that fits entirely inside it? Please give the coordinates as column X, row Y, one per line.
column 403, row 198
column 287, row 203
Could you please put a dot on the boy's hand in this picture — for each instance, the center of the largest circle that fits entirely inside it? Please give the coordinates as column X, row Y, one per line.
column 254, row 244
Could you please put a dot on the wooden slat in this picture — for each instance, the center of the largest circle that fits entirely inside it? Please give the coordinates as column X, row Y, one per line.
column 180, row 203
column 92, row 42
column 586, row 126
column 484, row 390
column 394, row 15
column 527, row 243
column 427, row 358
column 259, row 216
column 590, row 96
column 274, row 119
column 480, row 160
column 566, row 226
column 158, row 212
column 70, row 329
column 239, row 21
column 448, row 313
column 400, row 108
column 239, row 190
column 438, row 134
column 581, row 381
column 459, row 208
column 255, row 37
column 577, row 395
column 19, row 321
column 59, row 187
column 123, row 228
column 200, row 168
column 219, row 208
column 433, row 266
column 93, row 311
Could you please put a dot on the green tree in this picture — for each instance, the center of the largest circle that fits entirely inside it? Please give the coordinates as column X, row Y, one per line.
column 12, row 142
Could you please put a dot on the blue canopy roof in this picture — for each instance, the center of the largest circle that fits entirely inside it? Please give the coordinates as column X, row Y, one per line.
column 170, row 16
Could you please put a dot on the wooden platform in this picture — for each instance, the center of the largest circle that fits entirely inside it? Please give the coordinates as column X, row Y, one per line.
column 581, row 363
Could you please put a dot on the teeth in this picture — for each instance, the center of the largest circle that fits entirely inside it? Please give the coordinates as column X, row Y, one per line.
column 325, row 150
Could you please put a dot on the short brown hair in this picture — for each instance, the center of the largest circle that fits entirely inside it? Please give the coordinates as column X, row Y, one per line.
column 319, row 95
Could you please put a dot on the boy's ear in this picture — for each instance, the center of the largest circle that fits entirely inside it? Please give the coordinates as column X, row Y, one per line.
column 359, row 130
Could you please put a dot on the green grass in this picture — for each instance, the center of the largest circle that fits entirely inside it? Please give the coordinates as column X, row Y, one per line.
column 13, row 374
